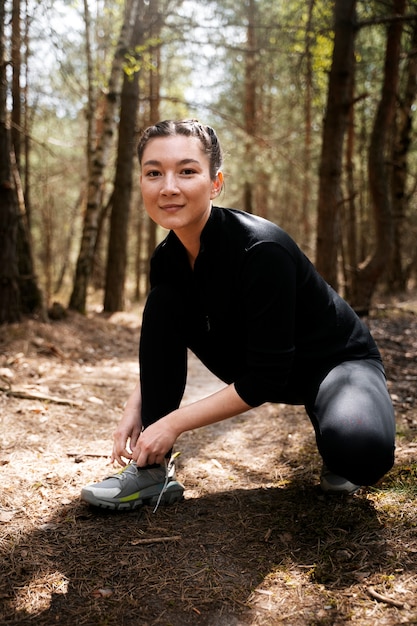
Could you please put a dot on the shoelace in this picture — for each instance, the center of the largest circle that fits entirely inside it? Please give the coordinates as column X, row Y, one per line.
column 168, row 468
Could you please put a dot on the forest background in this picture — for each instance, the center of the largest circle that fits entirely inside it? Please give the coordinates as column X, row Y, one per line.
column 313, row 101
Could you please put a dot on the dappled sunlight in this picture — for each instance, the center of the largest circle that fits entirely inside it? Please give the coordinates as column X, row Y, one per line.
column 254, row 543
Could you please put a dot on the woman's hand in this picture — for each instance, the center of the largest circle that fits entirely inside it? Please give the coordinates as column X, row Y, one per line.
column 154, row 442
column 128, row 430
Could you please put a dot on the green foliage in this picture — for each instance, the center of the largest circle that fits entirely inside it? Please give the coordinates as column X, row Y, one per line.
column 203, row 49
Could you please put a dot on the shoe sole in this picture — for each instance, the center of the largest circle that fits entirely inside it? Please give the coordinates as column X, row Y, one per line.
column 338, row 491
column 174, row 492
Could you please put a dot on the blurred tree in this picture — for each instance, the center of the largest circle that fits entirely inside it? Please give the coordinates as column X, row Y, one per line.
column 10, row 307
column 334, row 127
column 404, row 256
column 99, row 162
column 122, row 191
column 380, row 168
column 19, row 292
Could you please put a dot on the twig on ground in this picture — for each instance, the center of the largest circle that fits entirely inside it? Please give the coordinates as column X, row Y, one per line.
column 25, row 395
column 91, row 455
column 137, row 542
column 381, row 598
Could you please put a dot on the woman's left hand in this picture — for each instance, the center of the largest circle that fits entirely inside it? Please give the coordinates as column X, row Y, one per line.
column 153, row 444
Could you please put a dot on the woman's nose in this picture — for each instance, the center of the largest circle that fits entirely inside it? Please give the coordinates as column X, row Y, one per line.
column 170, row 185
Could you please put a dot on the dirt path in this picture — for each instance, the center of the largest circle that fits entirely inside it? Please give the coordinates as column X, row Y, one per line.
column 254, row 543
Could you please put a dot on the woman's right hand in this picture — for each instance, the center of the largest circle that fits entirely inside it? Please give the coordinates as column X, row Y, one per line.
column 128, row 430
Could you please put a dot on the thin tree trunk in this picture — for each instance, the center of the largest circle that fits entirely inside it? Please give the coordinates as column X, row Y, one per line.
column 309, row 38
column 91, row 100
column 19, row 292
column 397, row 274
column 349, row 211
column 101, row 156
column 16, row 69
column 250, row 102
column 10, row 310
column 335, row 122
column 9, row 291
column 26, row 122
column 380, row 170
column 31, row 298
column 154, row 116
column 122, row 193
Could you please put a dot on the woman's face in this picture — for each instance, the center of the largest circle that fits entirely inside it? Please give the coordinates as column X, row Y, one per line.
column 176, row 186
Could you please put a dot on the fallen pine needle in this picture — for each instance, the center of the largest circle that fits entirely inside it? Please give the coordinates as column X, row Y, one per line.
column 378, row 596
column 137, row 542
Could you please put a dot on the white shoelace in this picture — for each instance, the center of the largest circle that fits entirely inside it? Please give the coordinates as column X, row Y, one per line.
column 168, row 468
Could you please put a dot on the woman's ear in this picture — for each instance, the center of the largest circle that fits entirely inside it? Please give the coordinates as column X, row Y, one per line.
column 216, row 185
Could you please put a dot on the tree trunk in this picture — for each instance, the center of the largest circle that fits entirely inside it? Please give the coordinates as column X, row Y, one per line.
column 349, row 211
column 397, row 273
column 336, row 117
column 31, row 297
column 16, row 69
column 154, row 116
column 9, row 291
column 95, row 184
column 122, row 193
column 380, row 170
column 309, row 39
column 91, row 99
column 250, row 102
column 18, row 288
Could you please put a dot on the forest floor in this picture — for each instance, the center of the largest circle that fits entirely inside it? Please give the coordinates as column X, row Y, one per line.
column 254, row 543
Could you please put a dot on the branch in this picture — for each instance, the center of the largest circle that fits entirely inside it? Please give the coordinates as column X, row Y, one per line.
column 381, row 598
column 387, row 20
column 137, row 542
column 25, row 395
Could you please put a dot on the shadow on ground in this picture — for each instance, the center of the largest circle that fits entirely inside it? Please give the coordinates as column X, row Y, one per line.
column 175, row 568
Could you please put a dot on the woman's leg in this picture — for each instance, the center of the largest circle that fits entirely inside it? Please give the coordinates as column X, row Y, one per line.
column 354, row 421
column 162, row 354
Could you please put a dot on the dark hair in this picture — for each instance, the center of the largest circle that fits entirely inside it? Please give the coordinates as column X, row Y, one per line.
column 188, row 128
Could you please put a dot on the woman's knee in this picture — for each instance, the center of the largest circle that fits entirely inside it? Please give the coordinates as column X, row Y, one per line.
column 356, row 423
column 363, row 457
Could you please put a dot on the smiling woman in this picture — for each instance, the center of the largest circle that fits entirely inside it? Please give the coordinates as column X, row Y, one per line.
column 237, row 291
column 180, row 176
column 177, row 189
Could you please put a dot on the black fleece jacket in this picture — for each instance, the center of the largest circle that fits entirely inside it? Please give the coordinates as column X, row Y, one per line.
column 256, row 311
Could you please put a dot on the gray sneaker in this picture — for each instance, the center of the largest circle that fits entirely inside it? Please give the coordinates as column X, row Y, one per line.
column 332, row 483
column 132, row 487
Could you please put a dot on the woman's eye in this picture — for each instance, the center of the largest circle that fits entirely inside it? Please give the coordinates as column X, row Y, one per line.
column 188, row 172
column 152, row 173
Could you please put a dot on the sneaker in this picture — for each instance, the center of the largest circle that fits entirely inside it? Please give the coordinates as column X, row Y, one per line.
column 133, row 487
column 332, row 483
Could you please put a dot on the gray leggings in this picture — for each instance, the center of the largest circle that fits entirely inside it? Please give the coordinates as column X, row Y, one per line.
column 353, row 417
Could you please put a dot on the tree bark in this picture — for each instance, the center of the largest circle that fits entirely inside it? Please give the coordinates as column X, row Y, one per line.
column 101, row 155
column 10, row 310
column 380, row 170
column 250, row 102
column 309, row 38
column 335, row 122
column 122, row 193
column 155, row 12
column 16, row 69
column 397, row 273
column 18, row 287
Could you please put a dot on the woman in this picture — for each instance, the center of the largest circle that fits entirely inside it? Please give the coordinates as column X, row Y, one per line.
column 237, row 291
